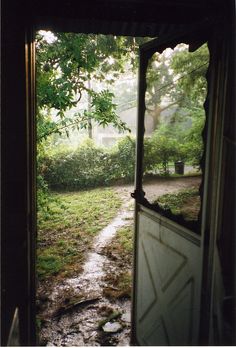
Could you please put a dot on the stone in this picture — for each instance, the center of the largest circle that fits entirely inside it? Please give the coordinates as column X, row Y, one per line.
column 112, row 327
column 126, row 317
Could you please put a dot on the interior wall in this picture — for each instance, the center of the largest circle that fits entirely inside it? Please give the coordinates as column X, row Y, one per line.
column 227, row 228
column 15, row 282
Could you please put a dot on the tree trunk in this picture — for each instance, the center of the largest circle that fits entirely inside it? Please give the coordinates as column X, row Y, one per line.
column 156, row 113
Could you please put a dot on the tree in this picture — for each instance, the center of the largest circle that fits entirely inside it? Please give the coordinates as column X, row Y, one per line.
column 176, row 81
column 64, row 67
column 176, row 78
column 191, row 67
column 159, row 78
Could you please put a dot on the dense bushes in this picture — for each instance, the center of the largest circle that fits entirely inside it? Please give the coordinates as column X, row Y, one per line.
column 90, row 165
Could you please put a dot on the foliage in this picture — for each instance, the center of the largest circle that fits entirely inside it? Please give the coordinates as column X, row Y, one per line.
column 65, row 235
column 65, row 68
column 192, row 67
column 193, row 137
column 178, row 76
column 176, row 81
column 179, row 139
column 126, row 158
column 162, row 150
column 90, row 166
column 104, row 110
column 79, row 169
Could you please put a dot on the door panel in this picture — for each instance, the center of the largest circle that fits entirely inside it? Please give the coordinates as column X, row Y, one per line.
column 168, row 254
column 168, row 282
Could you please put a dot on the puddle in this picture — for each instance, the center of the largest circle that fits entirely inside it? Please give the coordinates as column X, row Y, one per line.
column 83, row 309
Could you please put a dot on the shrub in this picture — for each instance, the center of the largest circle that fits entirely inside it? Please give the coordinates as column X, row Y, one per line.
column 160, row 150
column 78, row 169
column 90, row 165
column 126, row 158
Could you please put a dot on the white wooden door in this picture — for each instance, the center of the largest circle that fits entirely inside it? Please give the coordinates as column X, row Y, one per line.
column 168, row 282
column 168, row 256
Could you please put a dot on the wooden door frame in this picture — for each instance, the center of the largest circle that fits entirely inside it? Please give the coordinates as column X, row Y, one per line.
column 32, row 174
column 216, row 105
column 28, row 104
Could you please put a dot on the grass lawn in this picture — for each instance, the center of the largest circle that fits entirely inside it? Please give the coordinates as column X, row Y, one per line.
column 66, row 232
column 185, row 202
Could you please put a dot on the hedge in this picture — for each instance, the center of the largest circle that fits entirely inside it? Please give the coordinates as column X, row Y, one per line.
column 90, row 166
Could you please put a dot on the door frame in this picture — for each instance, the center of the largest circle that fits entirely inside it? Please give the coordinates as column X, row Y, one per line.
column 212, row 177
column 31, row 178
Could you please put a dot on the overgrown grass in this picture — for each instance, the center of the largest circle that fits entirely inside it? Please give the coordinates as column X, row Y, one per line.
column 185, row 202
column 66, row 231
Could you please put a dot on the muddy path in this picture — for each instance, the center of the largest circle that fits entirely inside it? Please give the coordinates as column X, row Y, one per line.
column 78, row 311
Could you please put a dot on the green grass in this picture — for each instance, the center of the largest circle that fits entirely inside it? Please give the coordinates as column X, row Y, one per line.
column 66, row 232
column 125, row 239
column 185, row 202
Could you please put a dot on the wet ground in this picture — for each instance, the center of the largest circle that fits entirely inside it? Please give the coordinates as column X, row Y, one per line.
column 75, row 312
column 154, row 188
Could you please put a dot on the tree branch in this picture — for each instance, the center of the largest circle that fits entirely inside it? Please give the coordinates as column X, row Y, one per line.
column 58, row 129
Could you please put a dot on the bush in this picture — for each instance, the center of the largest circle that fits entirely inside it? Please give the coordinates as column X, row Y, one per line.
column 90, row 165
column 159, row 150
column 126, row 158
column 72, row 170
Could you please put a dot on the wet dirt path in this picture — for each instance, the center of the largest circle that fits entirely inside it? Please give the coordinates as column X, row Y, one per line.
column 85, row 317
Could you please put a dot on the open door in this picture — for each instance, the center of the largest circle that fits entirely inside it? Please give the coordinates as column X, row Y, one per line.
column 168, row 246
